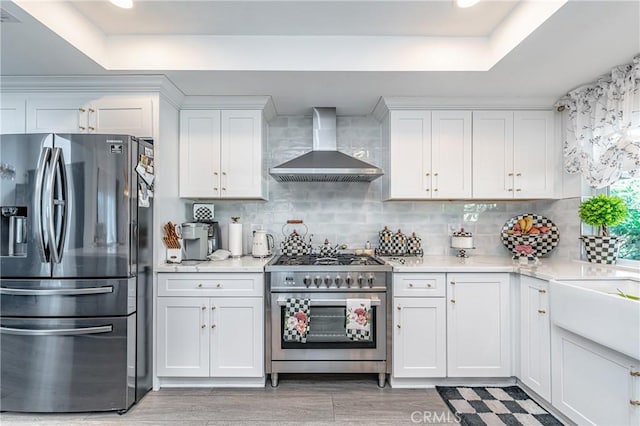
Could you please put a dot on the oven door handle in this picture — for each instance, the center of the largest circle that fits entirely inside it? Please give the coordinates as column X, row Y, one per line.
column 282, row 301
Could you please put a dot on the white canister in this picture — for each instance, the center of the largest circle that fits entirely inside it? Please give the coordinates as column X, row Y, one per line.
column 462, row 240
column 235, row 239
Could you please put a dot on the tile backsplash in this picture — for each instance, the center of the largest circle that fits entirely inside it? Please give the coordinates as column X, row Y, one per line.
column 353, row 213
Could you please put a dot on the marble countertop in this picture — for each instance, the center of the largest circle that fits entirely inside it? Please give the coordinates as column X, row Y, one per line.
column 547, row 269
column 240, row 264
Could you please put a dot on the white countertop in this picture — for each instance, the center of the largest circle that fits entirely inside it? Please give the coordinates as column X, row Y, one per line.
column 240, row 264
column 545, row 268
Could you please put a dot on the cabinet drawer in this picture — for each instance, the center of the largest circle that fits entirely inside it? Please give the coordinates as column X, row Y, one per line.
column 419, row 284
column 205, row 284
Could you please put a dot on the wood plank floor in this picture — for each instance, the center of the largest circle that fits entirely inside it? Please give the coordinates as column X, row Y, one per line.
column 314, row 400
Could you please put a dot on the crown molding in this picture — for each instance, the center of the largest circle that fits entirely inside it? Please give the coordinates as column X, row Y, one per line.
column 388, row 103
column 264, row 103
column 94, row 83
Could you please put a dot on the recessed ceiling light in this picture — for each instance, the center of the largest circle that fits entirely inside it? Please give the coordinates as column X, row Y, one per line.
column 125, row 4
column 466, row 3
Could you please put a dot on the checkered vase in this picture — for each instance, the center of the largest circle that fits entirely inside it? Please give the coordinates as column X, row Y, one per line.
column 601, row 249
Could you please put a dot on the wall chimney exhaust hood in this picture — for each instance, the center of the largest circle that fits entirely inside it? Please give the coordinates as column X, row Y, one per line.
column 325, row 163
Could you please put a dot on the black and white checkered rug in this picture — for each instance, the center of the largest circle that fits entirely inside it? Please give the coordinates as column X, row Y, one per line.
column 479, row 406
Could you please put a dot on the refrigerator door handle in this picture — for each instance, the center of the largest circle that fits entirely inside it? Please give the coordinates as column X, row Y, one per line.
column 57, row 171
column 56, row 292
column 56, row 332
column 45, row 154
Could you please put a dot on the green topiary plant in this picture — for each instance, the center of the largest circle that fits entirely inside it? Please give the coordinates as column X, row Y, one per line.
column 603, row 211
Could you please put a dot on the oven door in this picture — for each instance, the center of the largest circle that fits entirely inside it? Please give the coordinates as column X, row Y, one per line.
column 327, row 338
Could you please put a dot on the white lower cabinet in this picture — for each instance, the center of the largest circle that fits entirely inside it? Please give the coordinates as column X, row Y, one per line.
column 535, row 338
column 419, row 337
column 478, row 327
column 221, row 336
column 592, row 384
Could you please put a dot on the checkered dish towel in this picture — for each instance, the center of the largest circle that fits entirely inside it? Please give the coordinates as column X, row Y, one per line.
column 296, row 320
column 358, row 319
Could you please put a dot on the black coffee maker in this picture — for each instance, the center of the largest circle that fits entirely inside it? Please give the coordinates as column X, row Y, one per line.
column 203, row 213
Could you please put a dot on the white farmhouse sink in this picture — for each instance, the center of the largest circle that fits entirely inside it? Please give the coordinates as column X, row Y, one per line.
column 593, row 309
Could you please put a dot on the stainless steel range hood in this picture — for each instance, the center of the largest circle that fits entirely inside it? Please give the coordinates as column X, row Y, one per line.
column 325, row 163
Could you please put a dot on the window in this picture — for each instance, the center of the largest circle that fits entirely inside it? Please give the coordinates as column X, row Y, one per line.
column 629, row 191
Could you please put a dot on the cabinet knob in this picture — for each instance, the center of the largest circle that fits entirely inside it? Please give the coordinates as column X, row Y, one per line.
column 213, row 326
column 542, row 311
column 204, row 307
column 204, row 326
column 510, row 174
column 399, row 308
column 510, row 189
column 428, row 190
column 453, row 300
column 410, row 284
column 518, row 189
column 435, row 190
column 427, row 174
column 224, row 189
column 398, row 326
column 435, row 174
column 635, row 373
column 634, row 402
column 199, row 285
column 92, row 110
column 518, row 174
column 91, row 128
column 453, row 283
column 541, row 290
column 215, row 173
column 81, row 109
column 224, row 173
column 215, row 189
column 429, row 285
column 218, row 285
column 82, row 128
column 213, row 307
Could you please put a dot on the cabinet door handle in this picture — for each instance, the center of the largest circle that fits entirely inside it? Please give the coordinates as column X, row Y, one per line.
column 213, row 326
column 518, row 174
column 635, row 373
column 213, row 308
column 634, row 402
column 518, row 189
column 398, row 326
column 399, row 307
column 452, row 282
column 453, row 300
column 510, row 174
column 427, row 174
column 91, row 128
column 204, row 308
column 81, row 109
column 510, row 189
column 204, row 326
column 224, row 189
column 542, row 311
column 92, row 110
column 541, row 290
column 82, row 128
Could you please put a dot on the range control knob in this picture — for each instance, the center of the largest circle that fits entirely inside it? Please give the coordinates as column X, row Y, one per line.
column 307, row 280
column 371, row 279
column 317, row 280
column 360, row 280
column 327, row 281
column 338, row 281
column 349, row 280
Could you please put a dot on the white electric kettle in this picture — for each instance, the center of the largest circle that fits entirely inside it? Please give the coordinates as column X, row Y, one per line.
column 262, row 243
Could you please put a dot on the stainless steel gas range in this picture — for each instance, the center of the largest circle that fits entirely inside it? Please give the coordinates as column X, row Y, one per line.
column 327, row 283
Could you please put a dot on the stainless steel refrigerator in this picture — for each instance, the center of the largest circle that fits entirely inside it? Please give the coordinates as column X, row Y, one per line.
column 75, row 272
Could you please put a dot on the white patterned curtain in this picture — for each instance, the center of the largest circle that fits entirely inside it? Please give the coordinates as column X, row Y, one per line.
column 602, row 134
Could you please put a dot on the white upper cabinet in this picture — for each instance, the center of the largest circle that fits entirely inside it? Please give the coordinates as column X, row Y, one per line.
column 513, row 154
column 430, row 154
column 451, row 154
column 128, row 115
column 12, row 114
column 221, row 154
column 200, row 153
